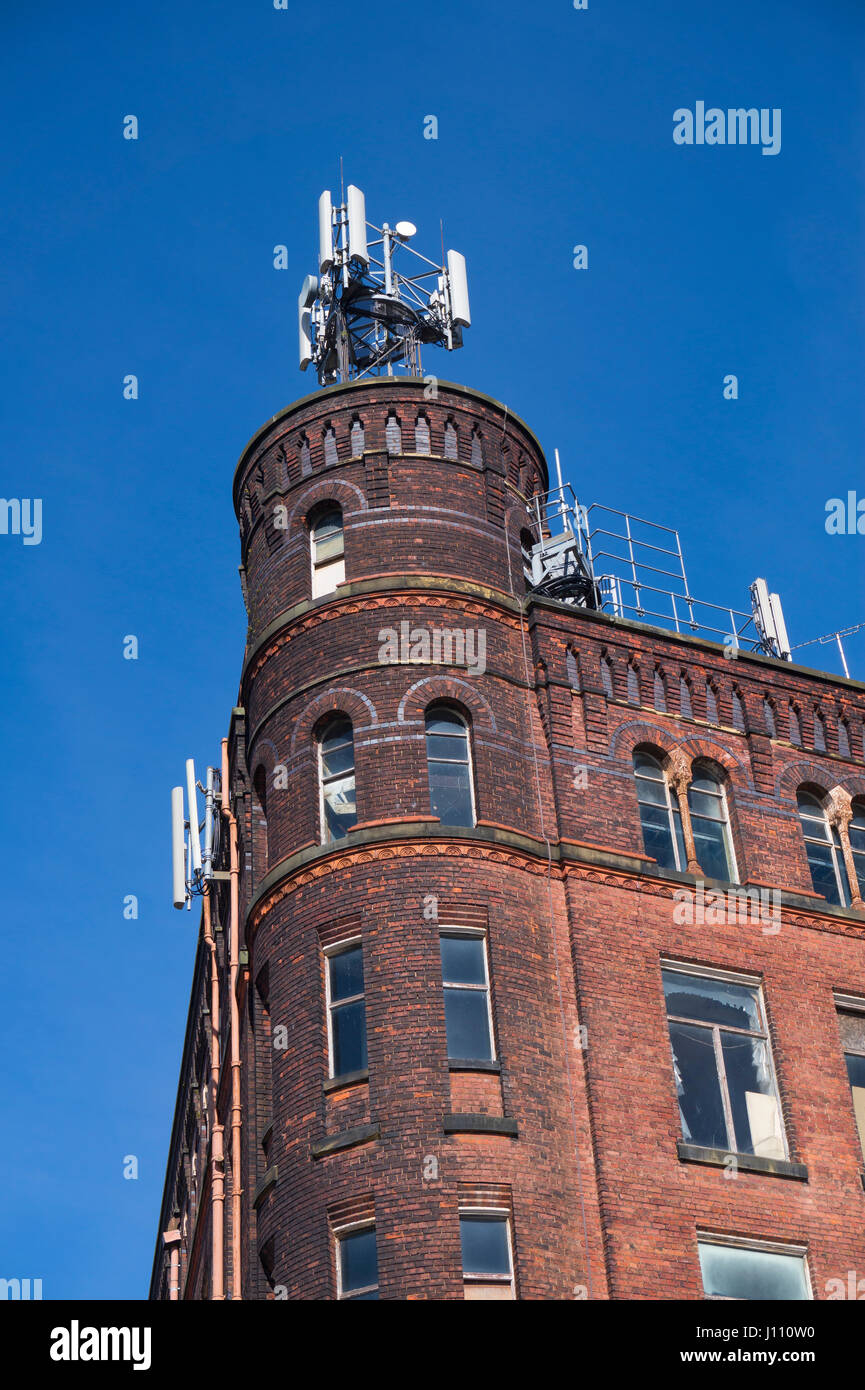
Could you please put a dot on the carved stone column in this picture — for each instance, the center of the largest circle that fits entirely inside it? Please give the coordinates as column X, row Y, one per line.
column 679, row 775
column 840, row 815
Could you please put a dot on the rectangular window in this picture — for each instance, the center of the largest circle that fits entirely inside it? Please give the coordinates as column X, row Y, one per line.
column 488, row 1266
column 761, row 1270
column 465, row 978
column 357, row 1263
column 346, row 1009
column 851, row 1021
column 722, row 1063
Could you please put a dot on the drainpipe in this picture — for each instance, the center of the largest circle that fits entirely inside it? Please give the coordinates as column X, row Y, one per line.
column 217, row 1152
column 233, row 966
column 171, row 1239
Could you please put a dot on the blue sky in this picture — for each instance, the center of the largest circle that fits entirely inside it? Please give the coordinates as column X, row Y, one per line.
column 155, row 257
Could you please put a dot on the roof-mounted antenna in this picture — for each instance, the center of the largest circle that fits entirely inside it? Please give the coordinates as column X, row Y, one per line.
column 370, row 310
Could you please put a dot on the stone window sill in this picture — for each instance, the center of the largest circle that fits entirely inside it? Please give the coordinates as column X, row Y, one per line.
column 747, row 1163
column 480, row 1124
column 349, row 1078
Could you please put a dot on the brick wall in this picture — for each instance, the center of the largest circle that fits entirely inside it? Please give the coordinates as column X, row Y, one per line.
column 582, row 1125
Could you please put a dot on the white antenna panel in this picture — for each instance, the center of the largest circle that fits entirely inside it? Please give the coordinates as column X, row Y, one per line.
column 192, row 796
column 325, row 232
column 459, row 289
column 780, row 627
column 304, row 335
column 356, row 225
column 178, row 867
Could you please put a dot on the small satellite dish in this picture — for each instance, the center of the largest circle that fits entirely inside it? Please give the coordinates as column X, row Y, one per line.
column 405, row 230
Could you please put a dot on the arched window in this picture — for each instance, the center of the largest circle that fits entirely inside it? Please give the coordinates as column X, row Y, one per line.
column 710, row 822
column 421, row 435
column 448, row 754
column 659, row 691
column 795, row 728
column 769, row 717
column 393, row 435
column 819, row 733
column 660, row 818
column 477, row 456
column 711, row 703
column 336, row 778
column 857, row 842
column 305, row 460
column 633, row 684
column 823, row 847
column 327, row 548
column 451, row 440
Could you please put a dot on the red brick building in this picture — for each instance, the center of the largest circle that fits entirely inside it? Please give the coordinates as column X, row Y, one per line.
column 550, row 970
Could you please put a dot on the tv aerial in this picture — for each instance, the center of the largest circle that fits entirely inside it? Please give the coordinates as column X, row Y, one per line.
column 375, row 299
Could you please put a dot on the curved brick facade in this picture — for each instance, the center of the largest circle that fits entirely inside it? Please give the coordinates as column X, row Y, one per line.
column 575, row 1131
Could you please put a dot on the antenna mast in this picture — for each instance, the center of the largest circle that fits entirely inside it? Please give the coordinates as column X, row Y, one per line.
column 377, row 300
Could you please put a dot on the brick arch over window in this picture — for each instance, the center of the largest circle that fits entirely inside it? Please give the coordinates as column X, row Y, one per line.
column 817, row 775
column 349, row 497
column 710, row 751
column 637, row 733
column 339, row 699
column 425, row 692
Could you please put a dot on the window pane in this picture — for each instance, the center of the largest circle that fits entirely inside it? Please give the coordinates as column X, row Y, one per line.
column 646, row 765
column 710, row 844
column 450, row 793
column 328, row 547
column 359, row 1260
column 485, row 1245
column 348, row 1026
column 328, row 524
column 712, row 1001
column 463, row 960
column 756, row 1114
column 467, row 1023
column 855, row 1069
column 336, row 756
column 821, row 862
column 752, row 1274
column 680, row 839
column 450, row 749
column 702, row 804
column 442, row 721
column 346, row 974
column 697, row 1086
column 856, row 1073
column 852, row 1026
column 654, row 793
column 340, row 810
column 657, row 836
